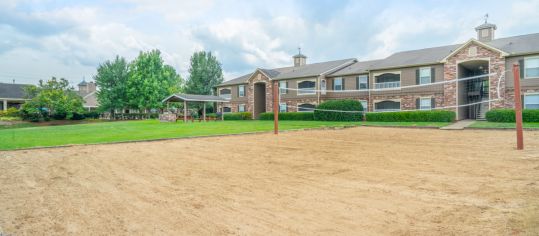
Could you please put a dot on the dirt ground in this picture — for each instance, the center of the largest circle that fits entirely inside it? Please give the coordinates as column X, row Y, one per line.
column 357, row 181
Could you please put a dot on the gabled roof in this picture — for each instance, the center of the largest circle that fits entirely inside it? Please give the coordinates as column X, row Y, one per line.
column 90, row 100
column 473, row 41
column 360, row 67
column 194, row 98
column 517, row 45
column 14, row 91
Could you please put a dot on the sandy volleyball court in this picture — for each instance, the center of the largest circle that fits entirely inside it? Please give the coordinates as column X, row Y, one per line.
column 358, row 181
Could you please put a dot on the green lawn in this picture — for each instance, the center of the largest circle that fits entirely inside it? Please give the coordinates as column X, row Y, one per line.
column 490, row 125
column 106, row 132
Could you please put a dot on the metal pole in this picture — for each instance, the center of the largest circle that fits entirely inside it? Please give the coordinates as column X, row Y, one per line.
column 275, row 108
column 518, row 107
column 204, row 111
column 185, row 111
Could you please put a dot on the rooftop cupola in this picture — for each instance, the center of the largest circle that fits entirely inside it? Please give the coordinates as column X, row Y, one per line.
column 485, row 32
column 299, row 59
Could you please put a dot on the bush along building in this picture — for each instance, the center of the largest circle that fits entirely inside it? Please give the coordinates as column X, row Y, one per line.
column 484, row 55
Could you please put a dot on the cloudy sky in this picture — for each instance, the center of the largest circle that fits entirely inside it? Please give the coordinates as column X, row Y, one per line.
column 67, row 38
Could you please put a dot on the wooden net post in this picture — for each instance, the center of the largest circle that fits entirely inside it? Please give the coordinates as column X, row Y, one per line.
column 275, row 107
column 518, row 107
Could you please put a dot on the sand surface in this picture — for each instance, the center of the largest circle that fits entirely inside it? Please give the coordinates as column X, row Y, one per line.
column 358, row 181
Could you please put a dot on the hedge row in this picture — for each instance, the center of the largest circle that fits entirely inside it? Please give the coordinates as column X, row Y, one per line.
column 339, row 105
column 508, row 115
column 288, row 116
column 412, row 116
column 238, row 116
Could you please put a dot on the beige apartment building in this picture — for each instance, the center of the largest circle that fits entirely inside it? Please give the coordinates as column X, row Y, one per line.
column 418, row 79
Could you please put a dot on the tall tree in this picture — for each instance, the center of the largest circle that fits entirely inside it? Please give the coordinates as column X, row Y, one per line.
column 111, row 78
column 150, row 81
column 204, row 74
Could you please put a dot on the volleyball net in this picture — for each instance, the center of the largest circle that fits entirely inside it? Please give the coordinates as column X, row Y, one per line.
column 395, row 91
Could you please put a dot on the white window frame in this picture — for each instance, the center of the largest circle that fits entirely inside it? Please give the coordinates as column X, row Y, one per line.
column 241, row 90
column 484, row 33
column 227, row 111
column 303, row 92
column 424, row 77
column 525, row 71
column 281, row 106
column 306, row 104
column 365, row 108
column 528, row 94
column 393, row 100
column 430, row 103
column 340, row 79
column 366, row 82
column 239, row 107
column 282, row 84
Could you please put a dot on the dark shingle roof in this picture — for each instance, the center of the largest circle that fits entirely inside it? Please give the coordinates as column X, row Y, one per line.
column 415, row 57
column 314, row 69
column 521, row 44
column 15, row 91
column 359, row 67
column 195, row 98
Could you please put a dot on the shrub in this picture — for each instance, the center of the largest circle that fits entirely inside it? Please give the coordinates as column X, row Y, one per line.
column 59, row 116
column 412, row 116
column 287, row 116
column 238, row 116
column 32, row 114
column 211, row 115
column 340, row 105
column 10, row 112
column 77, row 116
column 91, row 114
column 508, row 115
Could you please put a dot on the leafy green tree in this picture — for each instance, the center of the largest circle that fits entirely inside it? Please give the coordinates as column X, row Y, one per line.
column 150, row 81
column 111, row 79
column 204, row 74
column 52, row 98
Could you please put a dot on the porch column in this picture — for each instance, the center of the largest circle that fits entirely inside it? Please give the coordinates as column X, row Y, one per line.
column 5, row 105
column 204, row 111
column 222, row 112
column 184, row 111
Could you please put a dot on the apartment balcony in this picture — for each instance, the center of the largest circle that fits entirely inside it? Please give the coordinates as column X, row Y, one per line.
column 387, row 85
column 226, row 96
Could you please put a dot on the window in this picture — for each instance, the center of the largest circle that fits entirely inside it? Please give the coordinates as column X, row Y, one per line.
column 388, row 80
column 364, row 104
column 226, row 109
column 307, row 87
column 531, row 101
column 283, row 85
column 425, row 75
column 241, row 108
column 283, row 107
column 387, row 106
column 241, row 91
column 338, row 84
column 531, row 67
column 425, row 103
column 225, row 93
column 362, row 82
column 306, row 107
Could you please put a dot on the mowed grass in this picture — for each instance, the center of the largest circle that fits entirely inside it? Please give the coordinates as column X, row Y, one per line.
column 491, row 125
column 107, row 132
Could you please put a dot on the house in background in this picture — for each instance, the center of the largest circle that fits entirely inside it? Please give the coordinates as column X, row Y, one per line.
column 88, row 92
column 480, row 56
column 12, row 95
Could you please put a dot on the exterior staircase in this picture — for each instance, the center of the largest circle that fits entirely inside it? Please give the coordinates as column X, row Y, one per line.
column 482, row 111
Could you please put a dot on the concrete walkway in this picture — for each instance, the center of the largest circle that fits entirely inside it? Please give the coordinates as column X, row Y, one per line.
column 459, row 125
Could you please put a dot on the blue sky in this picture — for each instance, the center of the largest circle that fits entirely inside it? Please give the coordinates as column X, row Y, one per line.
column 44, row 38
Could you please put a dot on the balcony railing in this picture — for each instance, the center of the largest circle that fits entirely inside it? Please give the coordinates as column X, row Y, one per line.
column 387, row 85
column 225, row 96
column 307, row 90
